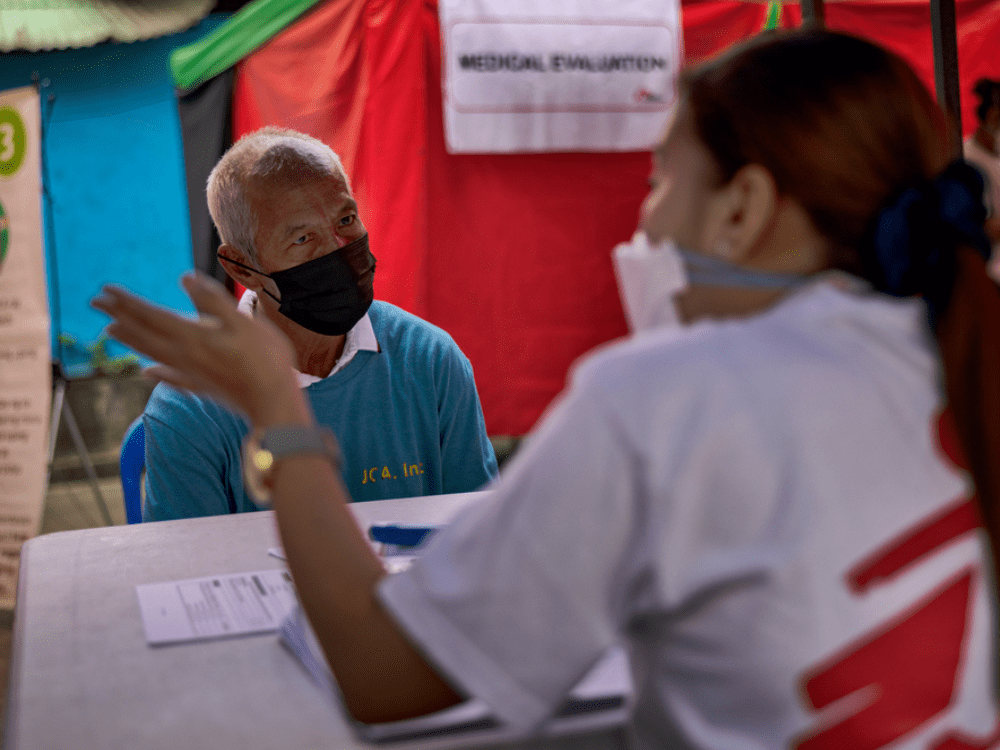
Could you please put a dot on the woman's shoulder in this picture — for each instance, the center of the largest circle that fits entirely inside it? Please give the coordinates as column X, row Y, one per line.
column 820, row 329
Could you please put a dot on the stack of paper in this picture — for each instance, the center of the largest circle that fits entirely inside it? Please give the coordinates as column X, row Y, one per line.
column 600, row 701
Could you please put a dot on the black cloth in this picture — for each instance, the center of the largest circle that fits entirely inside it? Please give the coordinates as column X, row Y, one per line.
column 206, row 115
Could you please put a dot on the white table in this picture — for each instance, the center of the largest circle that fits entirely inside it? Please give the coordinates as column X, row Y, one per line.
column 82, row 675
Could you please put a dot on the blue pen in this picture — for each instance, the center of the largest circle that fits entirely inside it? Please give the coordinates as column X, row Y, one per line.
column 401, row 536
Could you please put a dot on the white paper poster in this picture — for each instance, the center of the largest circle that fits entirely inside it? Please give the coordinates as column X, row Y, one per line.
column 25, row 369
column 545, row 75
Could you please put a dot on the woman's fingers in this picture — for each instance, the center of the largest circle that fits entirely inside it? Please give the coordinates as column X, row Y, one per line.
column 125, row 306
column 209, row 296
column 222, row 353
column 136, row 312
column 156, row 346
column 156, row 332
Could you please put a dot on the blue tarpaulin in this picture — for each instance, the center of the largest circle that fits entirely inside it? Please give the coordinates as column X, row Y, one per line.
column 116, row 209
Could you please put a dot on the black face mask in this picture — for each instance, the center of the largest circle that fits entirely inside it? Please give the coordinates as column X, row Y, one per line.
column 329, row 294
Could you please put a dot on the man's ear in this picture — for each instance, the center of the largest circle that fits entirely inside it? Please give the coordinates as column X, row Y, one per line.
column 239, row 274
column 749, row 203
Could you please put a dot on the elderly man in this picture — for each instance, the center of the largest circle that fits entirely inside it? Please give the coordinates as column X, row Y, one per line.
column 396, row 391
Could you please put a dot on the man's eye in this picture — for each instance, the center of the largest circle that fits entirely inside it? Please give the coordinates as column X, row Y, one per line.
column 346, row 221
column 301, row 240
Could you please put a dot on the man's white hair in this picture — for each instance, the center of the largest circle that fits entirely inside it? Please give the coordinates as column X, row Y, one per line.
column 266, row 152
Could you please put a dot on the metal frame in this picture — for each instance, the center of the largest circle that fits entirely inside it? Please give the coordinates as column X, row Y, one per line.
column 62, row 413
column 946, row 80
column 813, row 13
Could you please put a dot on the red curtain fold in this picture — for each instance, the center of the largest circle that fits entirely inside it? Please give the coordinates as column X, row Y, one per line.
column 508, row 253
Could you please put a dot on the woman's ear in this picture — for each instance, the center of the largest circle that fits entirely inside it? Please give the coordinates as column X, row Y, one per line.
column 242, row 276
column 746, row 209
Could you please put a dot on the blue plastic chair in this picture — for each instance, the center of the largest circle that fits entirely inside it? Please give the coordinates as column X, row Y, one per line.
column 132, row 463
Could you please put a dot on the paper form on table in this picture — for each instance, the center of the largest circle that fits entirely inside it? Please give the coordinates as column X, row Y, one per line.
column 215, row 606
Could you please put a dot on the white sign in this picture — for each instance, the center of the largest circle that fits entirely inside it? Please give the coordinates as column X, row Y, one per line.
column 25, row 369
column 526, row 76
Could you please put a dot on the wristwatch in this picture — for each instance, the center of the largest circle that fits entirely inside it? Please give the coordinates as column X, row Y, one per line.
column 262, row 450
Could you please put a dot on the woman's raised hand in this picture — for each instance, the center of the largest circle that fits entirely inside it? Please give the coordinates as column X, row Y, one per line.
column 244, row 361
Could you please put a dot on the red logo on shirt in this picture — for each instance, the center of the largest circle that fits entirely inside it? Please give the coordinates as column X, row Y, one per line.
column 905, row 673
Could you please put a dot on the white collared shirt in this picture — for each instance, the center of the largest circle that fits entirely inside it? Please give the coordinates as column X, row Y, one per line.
column 361, row 338
column 739, row 500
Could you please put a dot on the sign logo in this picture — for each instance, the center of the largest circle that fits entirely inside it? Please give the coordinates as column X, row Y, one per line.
column 12, row 141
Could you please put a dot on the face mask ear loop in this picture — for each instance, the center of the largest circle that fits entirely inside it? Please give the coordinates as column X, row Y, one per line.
column 220, row 256
column 252, row 270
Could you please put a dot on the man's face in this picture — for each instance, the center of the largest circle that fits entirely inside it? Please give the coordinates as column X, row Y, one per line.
column 299, row 220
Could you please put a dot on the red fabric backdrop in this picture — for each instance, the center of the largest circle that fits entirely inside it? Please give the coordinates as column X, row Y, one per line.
column 510, row 253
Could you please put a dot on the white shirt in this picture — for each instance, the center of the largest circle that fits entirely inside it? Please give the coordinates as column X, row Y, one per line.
column 361, row 338
column 988, row 165
column 720, row 497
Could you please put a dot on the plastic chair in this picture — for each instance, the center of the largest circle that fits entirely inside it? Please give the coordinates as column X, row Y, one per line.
column 132, row 463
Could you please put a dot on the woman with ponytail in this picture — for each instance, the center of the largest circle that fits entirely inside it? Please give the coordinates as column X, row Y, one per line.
column 779, row 506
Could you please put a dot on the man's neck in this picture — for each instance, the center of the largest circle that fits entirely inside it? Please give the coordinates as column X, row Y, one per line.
column 319, row 361
column 316, row 354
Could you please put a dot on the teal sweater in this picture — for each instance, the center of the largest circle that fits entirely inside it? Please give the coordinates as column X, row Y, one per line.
column 407, row 417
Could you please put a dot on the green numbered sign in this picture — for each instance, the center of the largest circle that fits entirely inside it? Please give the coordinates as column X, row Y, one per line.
column 12, row 141
column 4, row 233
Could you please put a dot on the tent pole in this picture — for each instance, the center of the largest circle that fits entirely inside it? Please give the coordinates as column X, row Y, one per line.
column 813, row 13
column 946, row 68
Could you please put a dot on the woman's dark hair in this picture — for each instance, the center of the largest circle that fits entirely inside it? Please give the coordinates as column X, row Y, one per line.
column 989, row 97
column 848, row 131
column 842, row 125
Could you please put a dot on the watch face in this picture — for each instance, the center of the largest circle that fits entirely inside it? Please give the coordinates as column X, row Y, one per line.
column 282, row 442
column 257, row 464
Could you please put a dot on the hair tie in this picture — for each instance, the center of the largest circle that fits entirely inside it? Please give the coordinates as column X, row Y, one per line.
column 915, row 238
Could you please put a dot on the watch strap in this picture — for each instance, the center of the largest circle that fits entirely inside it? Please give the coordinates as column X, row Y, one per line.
column 296, row 440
